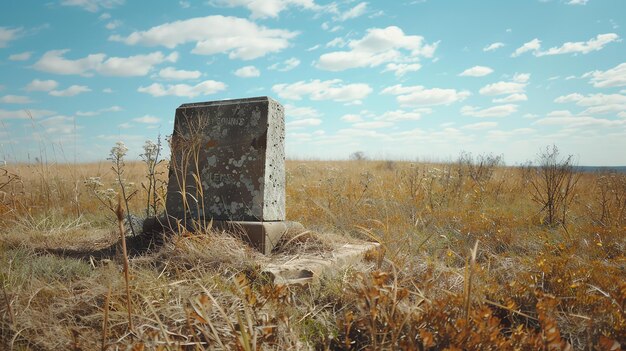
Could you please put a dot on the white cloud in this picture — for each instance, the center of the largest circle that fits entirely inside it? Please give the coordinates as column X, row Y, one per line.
column 93, row 5
column 592, row 99
column 204, row 88
column 41, row 85
column 132, row 66
column 307, row 122
column 400, row 69
column 354, row 12
column 401, row 115
column 596, row 103
column 476, row 71
column 480, row 125
column 351, row 118
column 21, row 57
column 532, row 45
column 493, row 46
column 582, row 47
column 614, row 77
column 567, row 119
column 98, row 112
column 248, row 72
column 372, row 125
column 9, row 34
column 323, row 90
column 113, row 24
column 494, row 111
column 337, row 42
column 71, row 91
column 59, row 125
column 516, row 86
column 172, row 73
column 104, row 16
column 286, row 65
column 54, row 62
column 24, row 114
column 15, row 99
column 417, row 95
column 268, row 8
column 577, row 2
column 107, row 90
column 147, row 119
column 239, row 37
column 138, row 65
column 378, row 46
column 301, row 112
column 511, row 98
column 125, row 125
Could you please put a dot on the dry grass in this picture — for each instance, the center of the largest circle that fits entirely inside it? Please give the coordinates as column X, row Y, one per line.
column 527, row 285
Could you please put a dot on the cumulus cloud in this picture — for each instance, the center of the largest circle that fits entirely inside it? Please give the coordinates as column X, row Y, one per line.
column 286, row 65
column 301, row 112
column 207, row 87
column 41, row 85
column 533, row 45
column 493, row 46
column 21, row 57
column 418, row 95
column 138, row 65
column 354, row 12
column 71, row 91
column 98, row 112
column 511, row 98
column 172, row 73
column 15, row 99
column 24, row 114
column 93, row 5
column 516, row 86
column 9, row 34
column 147, row 119
column 301, row 123
column 579, row 47
column 323, row 90
column 378, row 46
column 614, row 77
column 481, row 125
column 268, row 8
column 351, row 118
column 248, row 72
column 113, row 24
column 476, row 71
column 402, row 115
column 596, row 103
column 577, row 2
column 400, row 69
column 238, row 37
column 494, row 111
column 566, row 119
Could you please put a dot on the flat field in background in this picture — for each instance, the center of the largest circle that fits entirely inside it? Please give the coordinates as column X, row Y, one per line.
column 468, row 261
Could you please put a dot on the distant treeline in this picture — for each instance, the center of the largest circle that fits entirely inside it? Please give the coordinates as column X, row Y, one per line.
column 591, row 169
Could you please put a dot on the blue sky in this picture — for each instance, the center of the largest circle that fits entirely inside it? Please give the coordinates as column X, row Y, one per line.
column 396, row 79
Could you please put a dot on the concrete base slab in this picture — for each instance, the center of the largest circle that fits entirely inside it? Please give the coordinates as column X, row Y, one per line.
column 307, row 267
column 263, row 236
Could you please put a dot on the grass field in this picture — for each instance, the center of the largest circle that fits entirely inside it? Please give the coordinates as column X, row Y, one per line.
column 471, row 260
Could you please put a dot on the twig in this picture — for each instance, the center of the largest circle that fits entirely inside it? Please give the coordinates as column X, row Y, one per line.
column 105, row 322
column 120, row 221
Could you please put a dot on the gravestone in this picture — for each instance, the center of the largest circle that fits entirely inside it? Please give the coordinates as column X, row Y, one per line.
column 228, row 168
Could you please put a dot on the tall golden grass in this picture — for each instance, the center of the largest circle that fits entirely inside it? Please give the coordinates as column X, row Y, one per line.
column 467, row 263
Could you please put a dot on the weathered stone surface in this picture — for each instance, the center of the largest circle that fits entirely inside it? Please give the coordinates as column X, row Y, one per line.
column 228, row 161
